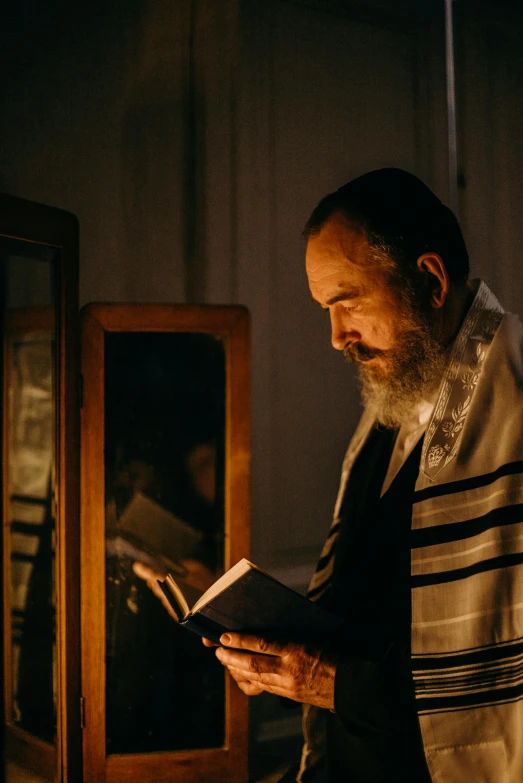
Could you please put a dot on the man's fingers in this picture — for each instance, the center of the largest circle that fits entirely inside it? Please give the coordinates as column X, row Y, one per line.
column 208, row 643
column 239, row 675
column 255, row 688
column 245, row 641
column 258, row 678
column 248, row 663
column 249, row 688
column 246, row 685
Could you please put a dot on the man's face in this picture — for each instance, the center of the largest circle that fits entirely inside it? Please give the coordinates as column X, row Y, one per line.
column 372, row 320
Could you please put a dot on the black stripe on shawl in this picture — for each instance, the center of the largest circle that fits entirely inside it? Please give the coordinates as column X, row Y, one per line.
column 457, row 531
column 469, row 657
column 467, row 649
column 475, row 706
column 484, row 480
column 469, row 700
column 312, row 594
column 498, row 676
column 334, row 528
column 325, row 560
column 492, row 563
column 511, row 669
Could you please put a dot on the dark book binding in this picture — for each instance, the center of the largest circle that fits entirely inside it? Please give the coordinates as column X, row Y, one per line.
column 255, row 602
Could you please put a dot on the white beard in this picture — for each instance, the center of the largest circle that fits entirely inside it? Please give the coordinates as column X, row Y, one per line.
column 415, row 368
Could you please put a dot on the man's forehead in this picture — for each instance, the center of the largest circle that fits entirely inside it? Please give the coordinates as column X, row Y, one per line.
column 339, row 241
column 339, row 226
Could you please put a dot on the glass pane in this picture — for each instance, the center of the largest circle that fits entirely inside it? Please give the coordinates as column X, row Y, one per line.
column 29, row 362
column 164, row 468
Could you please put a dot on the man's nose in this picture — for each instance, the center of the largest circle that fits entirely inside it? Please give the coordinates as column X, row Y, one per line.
column 342, row 331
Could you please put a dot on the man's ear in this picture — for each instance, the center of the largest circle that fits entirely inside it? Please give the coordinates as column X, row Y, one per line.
column 437, row 280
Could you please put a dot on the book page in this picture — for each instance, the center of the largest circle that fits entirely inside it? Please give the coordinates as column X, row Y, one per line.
column 224, row 581
column 185, row 595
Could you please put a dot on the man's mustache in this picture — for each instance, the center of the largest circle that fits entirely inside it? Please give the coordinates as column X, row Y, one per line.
column 357, row 352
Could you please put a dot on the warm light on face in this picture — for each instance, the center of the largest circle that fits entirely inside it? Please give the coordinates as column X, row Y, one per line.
column 362, row 299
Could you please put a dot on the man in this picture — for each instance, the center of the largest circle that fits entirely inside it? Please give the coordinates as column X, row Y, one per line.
column 424, row 559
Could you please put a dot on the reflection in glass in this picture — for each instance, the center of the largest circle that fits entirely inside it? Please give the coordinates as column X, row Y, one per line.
column 164, row 467
column 28, row 330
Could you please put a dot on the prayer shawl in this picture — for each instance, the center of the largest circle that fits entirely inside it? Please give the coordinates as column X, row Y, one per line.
column 466, row 560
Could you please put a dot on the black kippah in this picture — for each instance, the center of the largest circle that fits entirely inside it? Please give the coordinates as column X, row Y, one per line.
column 397, row 208
column 398, row 202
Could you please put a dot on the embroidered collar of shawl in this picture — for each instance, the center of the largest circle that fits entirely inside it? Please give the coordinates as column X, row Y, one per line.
column 460, row 381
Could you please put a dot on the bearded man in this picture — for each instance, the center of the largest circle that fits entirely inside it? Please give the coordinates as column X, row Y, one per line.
column 424, row 559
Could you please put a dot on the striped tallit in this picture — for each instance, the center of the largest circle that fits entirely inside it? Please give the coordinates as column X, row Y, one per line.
column 466, row 562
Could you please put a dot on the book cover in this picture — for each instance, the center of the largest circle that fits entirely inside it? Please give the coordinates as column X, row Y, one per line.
column 246, row 598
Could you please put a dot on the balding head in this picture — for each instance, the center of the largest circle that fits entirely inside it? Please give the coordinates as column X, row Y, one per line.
column 402, row 219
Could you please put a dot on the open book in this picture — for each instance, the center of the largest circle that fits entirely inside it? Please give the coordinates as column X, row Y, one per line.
column 246, row 598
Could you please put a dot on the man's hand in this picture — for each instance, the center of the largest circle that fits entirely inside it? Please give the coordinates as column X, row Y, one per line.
column 297, row 671
column 247, row 686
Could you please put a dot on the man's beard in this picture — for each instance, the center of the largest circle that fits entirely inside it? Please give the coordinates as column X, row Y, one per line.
column 413, row 369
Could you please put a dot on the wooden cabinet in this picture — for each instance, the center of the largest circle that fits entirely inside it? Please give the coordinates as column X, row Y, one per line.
column 164, row 429
column 134, row 417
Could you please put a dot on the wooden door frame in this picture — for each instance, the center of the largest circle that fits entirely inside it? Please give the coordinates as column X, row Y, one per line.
column 231, row 324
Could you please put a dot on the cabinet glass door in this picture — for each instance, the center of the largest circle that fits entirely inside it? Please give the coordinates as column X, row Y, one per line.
column 29, row 472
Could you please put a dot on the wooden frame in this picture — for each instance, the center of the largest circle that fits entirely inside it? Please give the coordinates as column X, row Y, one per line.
column 41, row 225
column 228, row 763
